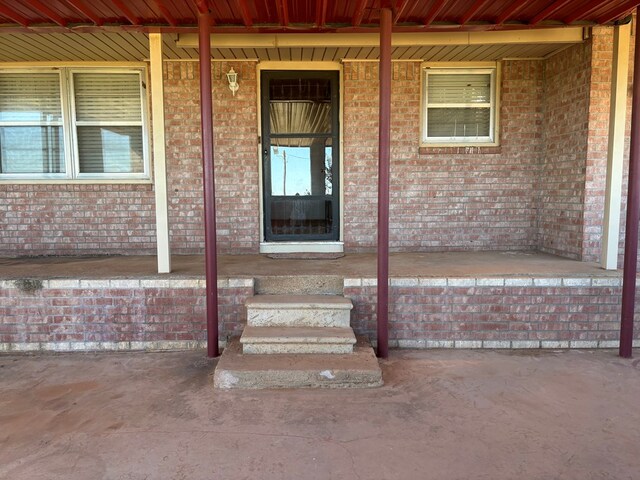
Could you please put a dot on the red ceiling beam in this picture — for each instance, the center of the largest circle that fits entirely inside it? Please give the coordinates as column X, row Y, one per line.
column 16, row 17
column 583, row 11
column 244, row 11
column 435, row 10
column 80, row 6
column 164, row 10
column 321, row 13
column 283, row 12
column 43, row 9
column 547, row 12
column 473, row 9
column 202, row 5
column 128, row 14
column 399, row 10
column 358, row 13
column 618, row 12
column 513, row 9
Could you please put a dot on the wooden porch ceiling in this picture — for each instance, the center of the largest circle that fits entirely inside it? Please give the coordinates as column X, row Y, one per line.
column 242, row 16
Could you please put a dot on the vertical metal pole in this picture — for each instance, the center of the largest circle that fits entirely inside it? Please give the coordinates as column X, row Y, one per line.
column 384, row 126
column 633, row 213
column 206, row 114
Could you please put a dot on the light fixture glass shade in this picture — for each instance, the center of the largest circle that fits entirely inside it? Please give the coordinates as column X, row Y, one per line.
column 232, row 77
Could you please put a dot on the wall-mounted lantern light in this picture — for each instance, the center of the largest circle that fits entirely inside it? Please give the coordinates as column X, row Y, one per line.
column 232, row 77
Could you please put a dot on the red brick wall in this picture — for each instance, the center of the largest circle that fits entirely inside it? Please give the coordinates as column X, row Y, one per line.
column 444, row 198
column 597, row 143
column 494, row 312
column 76, row 219
column 92, row 313
column 562, row 180
column 138, row 314
column 235, row 147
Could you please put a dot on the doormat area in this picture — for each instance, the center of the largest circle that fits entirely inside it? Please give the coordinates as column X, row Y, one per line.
column 305, row 256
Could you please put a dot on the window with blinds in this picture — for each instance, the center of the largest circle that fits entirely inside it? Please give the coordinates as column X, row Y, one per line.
column 73, row 123
column 31, row 136
column 459, row 106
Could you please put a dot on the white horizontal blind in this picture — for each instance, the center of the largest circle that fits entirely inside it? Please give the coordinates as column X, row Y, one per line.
column 108, row 121
column 459, row 106
column 31, row 136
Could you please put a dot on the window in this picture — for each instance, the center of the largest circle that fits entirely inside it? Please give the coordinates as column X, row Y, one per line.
column 459, row 106
column 73, row 124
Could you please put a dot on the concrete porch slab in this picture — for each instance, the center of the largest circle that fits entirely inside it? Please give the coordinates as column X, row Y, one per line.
column 357, row 265
column 359, row 369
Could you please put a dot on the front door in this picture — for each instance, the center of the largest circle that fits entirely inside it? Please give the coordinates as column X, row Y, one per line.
column 300, row 155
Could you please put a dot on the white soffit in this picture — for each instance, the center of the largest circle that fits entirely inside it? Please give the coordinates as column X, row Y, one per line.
column 460, row 46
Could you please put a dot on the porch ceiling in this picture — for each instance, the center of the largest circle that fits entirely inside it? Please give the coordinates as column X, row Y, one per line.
column 127, row 46
column 117, row 30
column 304, row 15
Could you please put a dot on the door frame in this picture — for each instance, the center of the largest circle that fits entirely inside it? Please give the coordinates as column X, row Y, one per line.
column 301, row 246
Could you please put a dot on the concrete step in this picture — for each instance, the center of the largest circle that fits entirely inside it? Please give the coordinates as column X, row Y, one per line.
column 359, row 369
column 299, row 285
column 297, row 340
column 298, row 311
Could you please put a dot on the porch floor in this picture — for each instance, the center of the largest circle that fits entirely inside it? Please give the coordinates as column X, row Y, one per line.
column 446, row 414
column 447, row 264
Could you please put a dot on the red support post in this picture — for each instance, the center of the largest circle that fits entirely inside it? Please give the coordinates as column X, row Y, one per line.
column 384, row 154
column 633, row 215
column 206, row 114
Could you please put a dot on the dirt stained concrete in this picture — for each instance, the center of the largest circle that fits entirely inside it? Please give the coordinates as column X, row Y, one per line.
column 442, row 414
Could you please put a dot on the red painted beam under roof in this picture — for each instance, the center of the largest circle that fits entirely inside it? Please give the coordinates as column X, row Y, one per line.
column 15, row 16
column 433, row 13
column 128, row 14
column 473, row 9
column 283, row 12
column 321, row 13
column 244, row 11
column 583, row 11
column 613, row 14
column 202, row 6
column 550, row 10
column 512, row 10
column 358, row 13
column 42, row 8
column 165, row 12
column 86, row 11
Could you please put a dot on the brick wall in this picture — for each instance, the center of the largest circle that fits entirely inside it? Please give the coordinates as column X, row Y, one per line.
column 115, row 314
column 76, row 219
column 142, row 314
column 597, row 143
column 494, row 312
column 562, row 180
column 235, row 147
column 542, row 188
column 442, row 198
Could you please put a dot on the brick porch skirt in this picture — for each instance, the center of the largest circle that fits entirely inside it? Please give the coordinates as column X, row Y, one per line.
column 165, row 314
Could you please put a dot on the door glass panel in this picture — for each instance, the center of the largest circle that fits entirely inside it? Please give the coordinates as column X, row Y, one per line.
column 300, row 106
column 301, row 166
column 300, row 215
column 299, row 126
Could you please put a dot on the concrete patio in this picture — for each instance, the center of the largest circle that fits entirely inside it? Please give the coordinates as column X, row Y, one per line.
column 442, row 414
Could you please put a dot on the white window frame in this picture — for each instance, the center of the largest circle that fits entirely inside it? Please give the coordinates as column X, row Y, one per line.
column 493, row 138
column 71, row 156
